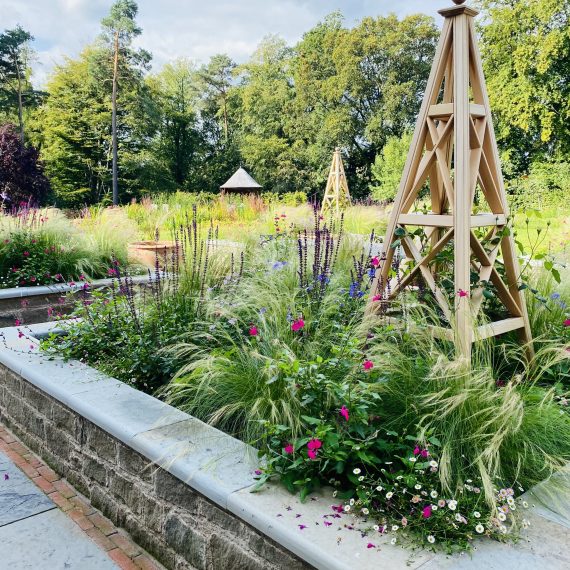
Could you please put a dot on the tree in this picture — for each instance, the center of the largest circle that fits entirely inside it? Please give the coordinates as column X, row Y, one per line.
column 119, row 29
column 216, row 78
column 388, row 167
column 525, row 46
column 14, row 71
column 178, row 144
column 75, row 130
column 21, row 174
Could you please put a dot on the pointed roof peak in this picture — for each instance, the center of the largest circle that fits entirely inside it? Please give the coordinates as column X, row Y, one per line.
column 241, row 180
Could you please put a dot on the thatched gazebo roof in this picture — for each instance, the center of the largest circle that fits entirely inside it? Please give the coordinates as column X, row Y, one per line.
column 241, row 181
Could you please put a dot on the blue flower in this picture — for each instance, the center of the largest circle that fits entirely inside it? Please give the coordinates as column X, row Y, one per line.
column 555, row 296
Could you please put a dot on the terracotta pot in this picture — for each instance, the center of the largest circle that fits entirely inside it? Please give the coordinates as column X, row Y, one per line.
column 146, row 252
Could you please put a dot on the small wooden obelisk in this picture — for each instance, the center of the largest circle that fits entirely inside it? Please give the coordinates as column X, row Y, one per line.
column 337, row 195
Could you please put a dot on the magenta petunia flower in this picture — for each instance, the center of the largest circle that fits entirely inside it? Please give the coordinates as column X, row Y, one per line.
column 253, row 331
column 312, row 454
column 424, row 453
column 462, row 293
column 257, row 472
column 375, row 262
column 567, row 323
column 17, row 322
column 370, row 545
column 426, row 512
column 297, row 325
column 327, row 523
column 288, row 449
column 417, row 450
column 377, row 298
column 368, row 365
column 344, row 412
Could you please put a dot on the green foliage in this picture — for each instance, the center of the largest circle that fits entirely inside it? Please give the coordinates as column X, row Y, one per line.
column 388, row 167
column 546, row 186
column 526, row 55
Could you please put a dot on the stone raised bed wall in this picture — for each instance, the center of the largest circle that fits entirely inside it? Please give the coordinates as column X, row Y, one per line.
column 177, row 524
column 30, row 304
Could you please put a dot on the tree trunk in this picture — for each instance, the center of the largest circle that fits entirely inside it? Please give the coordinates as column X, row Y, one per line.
column 114, row 123
column 20, row 103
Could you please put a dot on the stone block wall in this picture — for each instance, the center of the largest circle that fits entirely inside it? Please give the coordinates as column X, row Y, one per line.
column 176, row 524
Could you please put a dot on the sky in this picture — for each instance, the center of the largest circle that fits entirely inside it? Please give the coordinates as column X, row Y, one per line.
column 196, row 29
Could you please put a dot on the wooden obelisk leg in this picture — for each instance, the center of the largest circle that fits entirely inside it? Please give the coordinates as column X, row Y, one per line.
column 462, row 209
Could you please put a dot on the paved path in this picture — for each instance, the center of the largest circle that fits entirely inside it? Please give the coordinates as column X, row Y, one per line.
column 35, row 534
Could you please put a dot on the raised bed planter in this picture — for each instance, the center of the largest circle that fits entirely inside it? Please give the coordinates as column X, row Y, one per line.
column 182, row 488
column 147, row 252
column 30, row 305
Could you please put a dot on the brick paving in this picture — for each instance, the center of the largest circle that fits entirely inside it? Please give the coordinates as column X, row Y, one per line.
column 115, row 542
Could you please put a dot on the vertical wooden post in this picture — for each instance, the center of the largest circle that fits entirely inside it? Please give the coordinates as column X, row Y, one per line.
column 462, row 187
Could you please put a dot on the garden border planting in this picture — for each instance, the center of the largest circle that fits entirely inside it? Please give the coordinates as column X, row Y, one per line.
column 182, row 488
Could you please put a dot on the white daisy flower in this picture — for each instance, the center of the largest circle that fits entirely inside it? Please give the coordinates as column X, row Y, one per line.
column 433, row 494
column 389, row 495
column 418, row 486
column 452, row 505
column 346, row 508
column 393, row 541
column 413, row 459
column 434, row 507
column 431, row 539
column 379, row 488
column 480, row 528
column 433, row 463
column 525, row 504
column 335, row 493
column 356, row 471
column 376, row 527
column 351, row 502
column 395, row 527
column 365, row 511
column 503, row 529
column 502, row 516
column 477, row 514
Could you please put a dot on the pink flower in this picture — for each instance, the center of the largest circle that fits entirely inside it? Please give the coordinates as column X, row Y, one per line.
column 26, row 253
column 344, row 412
column 424, row 453
column 302, row 526
column 375, row 262
column 370, row 545
column 314, row 444
column 462, row 293
column 312, row 454
column 297, row 325
column 253, row 331
column 20, row 334
column 327, row 523
column 71, row 283
column 426, row 513
column 377, row 298
column 17, row 322
column 368, row 365
column 567, row 323
column 416, row 450
column 288, row 449
column 257, row 472
column 337, row 508
column 112, row 272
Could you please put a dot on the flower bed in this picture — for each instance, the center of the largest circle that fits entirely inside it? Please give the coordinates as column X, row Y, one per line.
column 276, row 348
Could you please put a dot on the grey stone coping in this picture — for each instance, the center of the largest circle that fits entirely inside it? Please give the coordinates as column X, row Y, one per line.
column 61, row 288
column 221, row 468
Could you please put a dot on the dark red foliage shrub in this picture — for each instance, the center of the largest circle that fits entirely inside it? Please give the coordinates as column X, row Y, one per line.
column 21, row 173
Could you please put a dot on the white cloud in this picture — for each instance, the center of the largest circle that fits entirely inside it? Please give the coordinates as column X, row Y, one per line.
column 192, row 28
